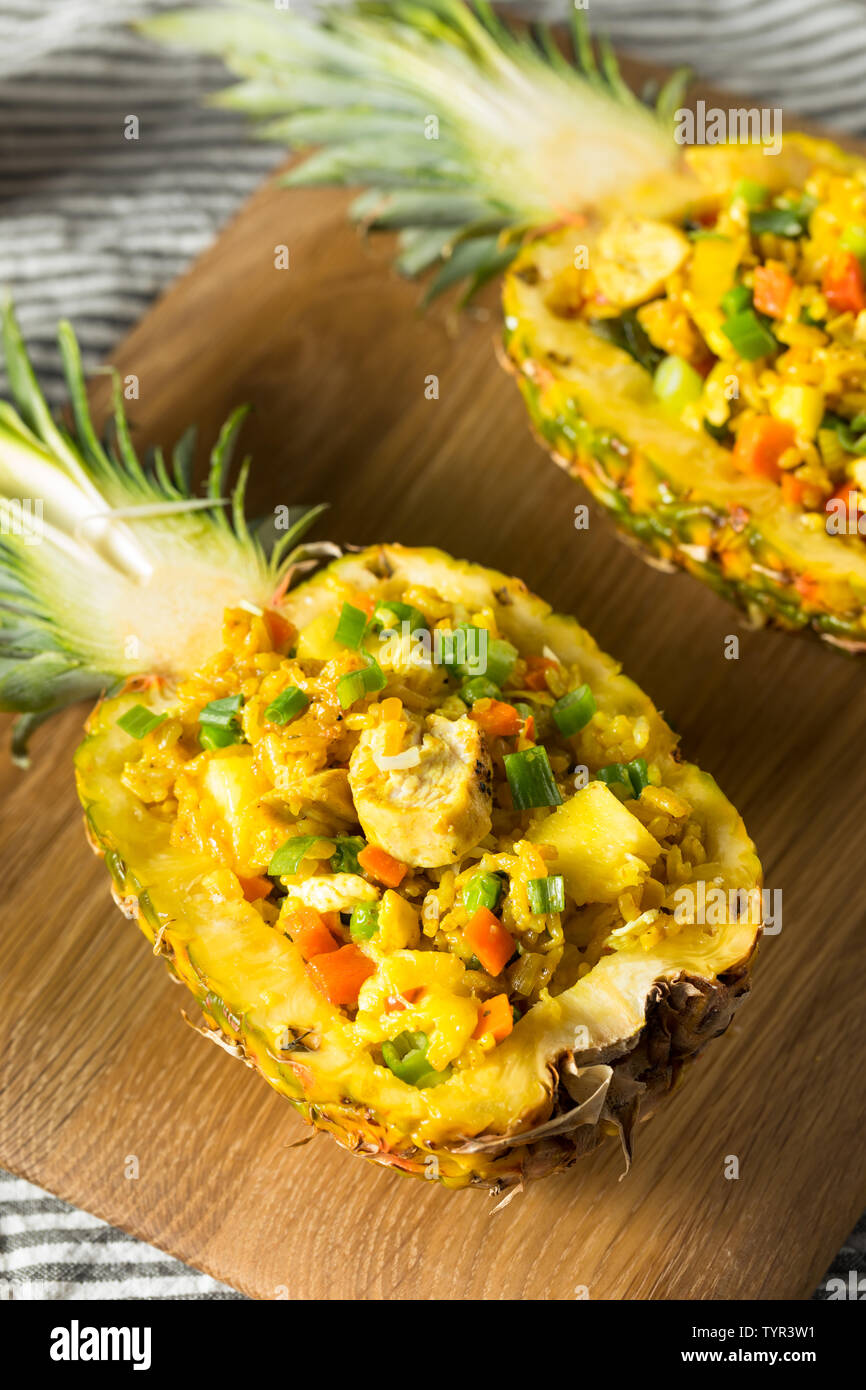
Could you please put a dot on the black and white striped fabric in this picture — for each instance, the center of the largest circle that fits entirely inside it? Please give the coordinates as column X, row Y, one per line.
column 94, row 226
column 49, row 1250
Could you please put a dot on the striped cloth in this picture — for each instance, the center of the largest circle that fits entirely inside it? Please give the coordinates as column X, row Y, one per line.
column 93, row 227
column 49, row 1250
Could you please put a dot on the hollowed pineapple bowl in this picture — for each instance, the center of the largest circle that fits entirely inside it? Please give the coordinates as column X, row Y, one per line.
column 425, row 858
column 687, row 322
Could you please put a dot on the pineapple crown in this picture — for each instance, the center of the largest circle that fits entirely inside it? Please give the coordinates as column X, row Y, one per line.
column 111, row 568
column 466, row 134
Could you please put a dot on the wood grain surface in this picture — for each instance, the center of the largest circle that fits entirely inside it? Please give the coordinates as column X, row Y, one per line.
column 97, row 1063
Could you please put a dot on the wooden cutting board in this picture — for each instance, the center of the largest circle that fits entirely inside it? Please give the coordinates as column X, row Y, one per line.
column 98, row 1067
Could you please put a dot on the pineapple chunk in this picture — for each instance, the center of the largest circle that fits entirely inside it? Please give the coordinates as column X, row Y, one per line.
column 602, row 849
column 233, row 783
column 713, row 268
column 316, row 640
column 857, row 473
column 399, row 928
column 800, row 406
column 236, row 788
column 636, row 256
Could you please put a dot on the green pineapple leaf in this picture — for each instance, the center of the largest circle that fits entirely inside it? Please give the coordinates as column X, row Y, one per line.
column 110, row 568
column 459, row 127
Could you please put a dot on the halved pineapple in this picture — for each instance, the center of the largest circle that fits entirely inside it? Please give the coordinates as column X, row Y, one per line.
column 601, row 992
column 735, row 460
column 688, row 325
column 476, row 986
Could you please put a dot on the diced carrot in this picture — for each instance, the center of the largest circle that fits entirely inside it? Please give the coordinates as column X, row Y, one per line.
column 383, row 866
column 772, row 289
column 842, row 283
column 398, row 1003
column 339, row 975
column 309, row 931
column 281, row 632
column 529, row 730
column 536, row 666
column 807, row 587
column 792, row 489
column 495, row 1017
column 255, row 888
column 365, row 602
column 496, row 718
column 760, row 444
column 489, row 941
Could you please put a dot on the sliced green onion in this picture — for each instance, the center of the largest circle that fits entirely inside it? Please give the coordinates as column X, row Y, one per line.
column 617, row 777
column 494, row 657
column 406, row 1057
column 638, row 775
column 479, row 688
column 753, row 193
column 351, row 627
column 749, row 337
column 222, row 714
column 574, row 711
column 546, row 894
column 356, row 684
column 626, row 333
column 734, row 300
column 676, row 384
column 287, row 859
column 344, row 860
column 364, row 921
column 482, row 890
column 139, row 720
column 786, row 222
column 848, row 432
column 854, row 239
column 212, row 736
column 475, row 643
column 531, row 780
column 501, row 660
column 393, row 614
column 720, row 433
column 287, row 705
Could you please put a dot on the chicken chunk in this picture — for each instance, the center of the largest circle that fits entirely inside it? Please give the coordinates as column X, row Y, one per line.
column 636, row 255
column 430, row 813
